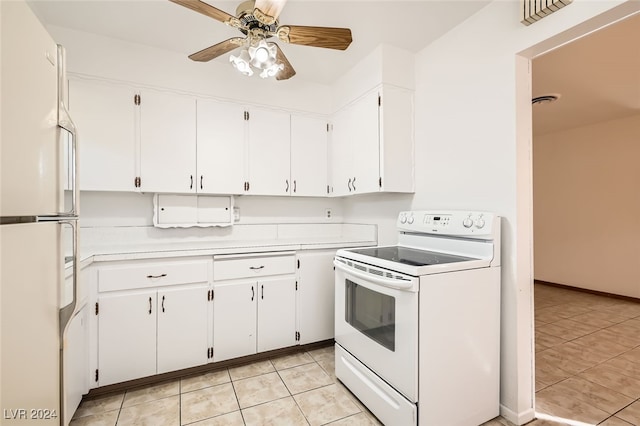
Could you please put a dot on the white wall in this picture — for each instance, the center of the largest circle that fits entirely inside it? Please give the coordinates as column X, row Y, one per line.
column 586, row 207
column 473, row 133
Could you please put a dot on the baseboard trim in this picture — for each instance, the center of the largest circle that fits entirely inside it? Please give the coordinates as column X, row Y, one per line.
column 201, row 369
column 586, row 290
column 517, row 418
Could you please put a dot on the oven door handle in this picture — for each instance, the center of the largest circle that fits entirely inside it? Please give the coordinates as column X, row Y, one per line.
column 387, row 282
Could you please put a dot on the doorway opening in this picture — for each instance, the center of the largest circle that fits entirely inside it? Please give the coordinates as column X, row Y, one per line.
column 584, row 164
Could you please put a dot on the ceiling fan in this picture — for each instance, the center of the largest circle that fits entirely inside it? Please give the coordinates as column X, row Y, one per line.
column 258, row 21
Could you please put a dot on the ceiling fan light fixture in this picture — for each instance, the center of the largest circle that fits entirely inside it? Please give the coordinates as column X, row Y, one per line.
column 272, row 70
column 263, row 55
column 241, row 63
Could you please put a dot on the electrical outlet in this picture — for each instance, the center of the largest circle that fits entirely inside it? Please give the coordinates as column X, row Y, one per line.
column 327, row 213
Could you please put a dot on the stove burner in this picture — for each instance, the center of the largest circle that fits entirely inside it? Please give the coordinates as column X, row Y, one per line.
column 409, row 256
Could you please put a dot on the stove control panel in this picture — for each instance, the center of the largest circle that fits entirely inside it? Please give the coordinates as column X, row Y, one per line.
column 472, row 224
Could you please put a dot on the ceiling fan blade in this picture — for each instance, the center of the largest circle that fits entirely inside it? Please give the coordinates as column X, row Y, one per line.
column 331, row 38
column 270, row 8
column 217, row 49
column 287, row 72
column 207, row 9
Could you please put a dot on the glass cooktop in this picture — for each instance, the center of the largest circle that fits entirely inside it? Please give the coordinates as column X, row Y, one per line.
column 410, row 256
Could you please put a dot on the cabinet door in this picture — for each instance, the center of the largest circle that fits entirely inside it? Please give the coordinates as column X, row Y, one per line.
column 182, row 327
column 126, row 336
column 308, row 156
column 76, row 362
column 341, row 152
column 316, row 303
column 234, row 319
column 221, row 142
column 366, row 148
column 269, row 153
column 396, row 140
column 276, row 313
column 167, row 143
column 105, row 116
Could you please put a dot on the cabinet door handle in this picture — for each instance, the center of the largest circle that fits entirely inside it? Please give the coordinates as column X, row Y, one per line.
column 262, row 290
column 149, row 305
column 201, row 181
column 252, row 293
column 354, row 183
column 349, row 184
column 157, row 276
column 191, row 184
column 255, row 268
column 162, row 303
column 287, row 189
column 294, row 186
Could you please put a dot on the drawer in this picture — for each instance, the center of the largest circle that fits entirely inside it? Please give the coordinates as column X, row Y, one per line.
column 233, row 266
column 152, row 274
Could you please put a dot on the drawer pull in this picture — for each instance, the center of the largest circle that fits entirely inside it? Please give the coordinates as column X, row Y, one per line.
column 156, row 276
column 255, row 268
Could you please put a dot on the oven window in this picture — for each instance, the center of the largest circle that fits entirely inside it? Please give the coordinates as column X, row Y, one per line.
column 373, row 313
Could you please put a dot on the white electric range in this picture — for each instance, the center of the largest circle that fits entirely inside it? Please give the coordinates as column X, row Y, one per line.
column 417, row 325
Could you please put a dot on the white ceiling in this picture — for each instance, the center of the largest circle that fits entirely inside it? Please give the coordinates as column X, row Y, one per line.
column 162, row 24
column 597, row 77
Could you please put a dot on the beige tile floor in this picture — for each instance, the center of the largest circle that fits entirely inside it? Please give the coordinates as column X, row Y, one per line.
column 298, row 389
column 587, row 373
column 587, row 358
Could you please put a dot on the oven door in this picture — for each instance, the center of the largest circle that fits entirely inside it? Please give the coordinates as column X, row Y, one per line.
column 376, row 320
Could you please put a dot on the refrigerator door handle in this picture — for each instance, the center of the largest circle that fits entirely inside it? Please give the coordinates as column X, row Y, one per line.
column 67, row 312
column 65, row 122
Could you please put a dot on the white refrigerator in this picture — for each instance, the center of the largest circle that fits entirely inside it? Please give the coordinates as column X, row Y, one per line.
column 36, row 136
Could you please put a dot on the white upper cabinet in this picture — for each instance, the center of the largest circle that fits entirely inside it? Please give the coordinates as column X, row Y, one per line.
column 167, row 142
column 308, row 156
column 105, row 117
column 365, row 153
column 221, row 148
column 372, row 144
column 269, row 152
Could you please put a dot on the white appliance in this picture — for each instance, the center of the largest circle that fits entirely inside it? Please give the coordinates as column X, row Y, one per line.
column 417, row 325
column 35, row 129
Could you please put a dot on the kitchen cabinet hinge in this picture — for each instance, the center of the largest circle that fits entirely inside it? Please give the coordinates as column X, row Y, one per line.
column 209, row 353
column 297, row 336
column 298, row 263
column 97, row 310
column 380, row 181
column 210, row 295
column 137, row 182
column 137, row 99
column 246, row 116
column 296, row 285
column 97, row 375
column 379, row 100
column 327, row 189
column 327, row 127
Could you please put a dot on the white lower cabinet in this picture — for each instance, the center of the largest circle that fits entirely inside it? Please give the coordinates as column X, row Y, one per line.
column 316, row 291
column 152, row 318
column 254, row 304
column 276, row 313
column 126, row 336
column 234, row 320
column 182, row 328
